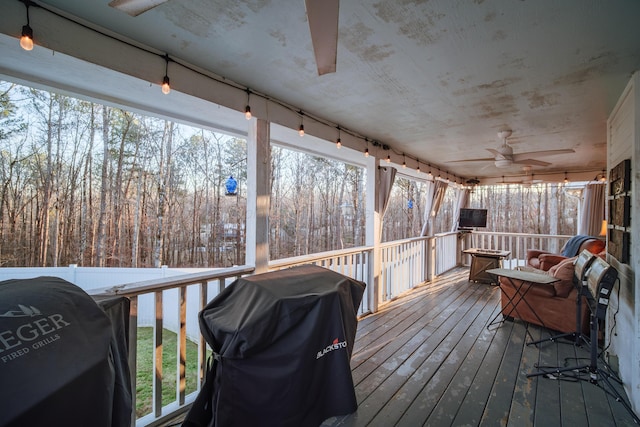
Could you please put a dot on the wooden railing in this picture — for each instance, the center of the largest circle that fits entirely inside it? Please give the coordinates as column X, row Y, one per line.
column 404, row 265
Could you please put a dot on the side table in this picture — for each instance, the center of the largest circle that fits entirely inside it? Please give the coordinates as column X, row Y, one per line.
column 483, row 260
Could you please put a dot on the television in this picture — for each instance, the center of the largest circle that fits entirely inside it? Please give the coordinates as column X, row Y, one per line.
column 471, row 218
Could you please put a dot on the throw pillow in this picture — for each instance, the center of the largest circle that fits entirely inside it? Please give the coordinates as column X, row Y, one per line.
column 564, row 272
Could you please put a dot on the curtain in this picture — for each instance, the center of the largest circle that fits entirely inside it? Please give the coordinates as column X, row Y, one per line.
column 386, row 177
column 439, row 190
column 592, row 210
column 428, row 202
column 462, row 199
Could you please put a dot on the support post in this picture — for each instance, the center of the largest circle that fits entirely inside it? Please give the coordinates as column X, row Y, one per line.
column 258, row 194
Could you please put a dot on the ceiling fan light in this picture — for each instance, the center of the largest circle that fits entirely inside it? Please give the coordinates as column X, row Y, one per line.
column 503, row 163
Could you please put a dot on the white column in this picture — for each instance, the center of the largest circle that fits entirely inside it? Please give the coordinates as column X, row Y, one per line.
column 373, row 235
column 258, row 194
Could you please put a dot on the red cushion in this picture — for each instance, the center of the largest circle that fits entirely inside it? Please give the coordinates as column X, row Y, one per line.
column 564, row 272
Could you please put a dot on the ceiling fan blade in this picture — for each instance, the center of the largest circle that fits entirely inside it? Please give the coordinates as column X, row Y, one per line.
column 531, row 162
column 488, row 159
column 323, row 25
column 541, row 153
column 135, row 7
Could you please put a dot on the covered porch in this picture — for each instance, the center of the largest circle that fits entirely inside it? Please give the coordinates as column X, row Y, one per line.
column 424, row 354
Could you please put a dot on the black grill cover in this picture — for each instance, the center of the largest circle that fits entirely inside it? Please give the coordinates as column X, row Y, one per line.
column 63, row 362
column 283, row 342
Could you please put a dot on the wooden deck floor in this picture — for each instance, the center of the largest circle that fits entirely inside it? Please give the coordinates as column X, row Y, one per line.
column 429, row 359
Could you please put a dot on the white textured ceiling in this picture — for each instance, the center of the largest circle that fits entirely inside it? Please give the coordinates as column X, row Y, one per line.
column 434, row 79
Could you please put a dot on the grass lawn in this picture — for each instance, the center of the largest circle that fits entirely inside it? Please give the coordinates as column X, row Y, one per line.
column 144, row 387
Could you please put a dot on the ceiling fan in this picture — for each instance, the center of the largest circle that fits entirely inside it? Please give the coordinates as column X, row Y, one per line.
column 321, row 14
column 504, row 156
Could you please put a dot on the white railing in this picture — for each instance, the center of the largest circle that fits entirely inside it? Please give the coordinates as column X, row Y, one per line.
column 517, row 243
column 355, row 263
column 194, row 291
column 447, row 252
column 403, row 266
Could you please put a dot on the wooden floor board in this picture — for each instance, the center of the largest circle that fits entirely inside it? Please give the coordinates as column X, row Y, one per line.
column 379, row 387
column 436, row 396
column 431, row 369
column 428, row 358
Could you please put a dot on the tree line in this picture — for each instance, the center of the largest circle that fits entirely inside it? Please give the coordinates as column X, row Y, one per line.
column 93, row 185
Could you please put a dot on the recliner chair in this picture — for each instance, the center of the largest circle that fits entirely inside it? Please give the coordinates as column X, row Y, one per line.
column 544, row 260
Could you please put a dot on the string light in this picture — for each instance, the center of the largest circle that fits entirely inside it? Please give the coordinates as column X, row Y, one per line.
column 247, row 109
column 429, row 174
column 566, row 178
column 26, row 41
column 301, row 128
column 603, row 177
column 338, row 141
column 418, row 168
column 404, row 162
column 166, row 86
column 388, row 158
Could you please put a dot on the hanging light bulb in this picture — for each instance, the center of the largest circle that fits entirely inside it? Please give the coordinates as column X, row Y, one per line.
column 26, row 41
column 429, row 174
column 247, row 109
column 338, row 141
column 366, row 152
column 566, row 179
column 301, row 128
column 418, row 168
column 404, row 162
column 388, row 158
column 166, row 86
column 603, row 177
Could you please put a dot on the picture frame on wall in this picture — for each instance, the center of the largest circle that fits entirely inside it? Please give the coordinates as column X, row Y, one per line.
column 620, row 211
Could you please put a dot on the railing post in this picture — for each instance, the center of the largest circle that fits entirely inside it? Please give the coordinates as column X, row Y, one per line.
column 157, row 360
column 182, row 344
column 133, row 353
column 202, row 347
